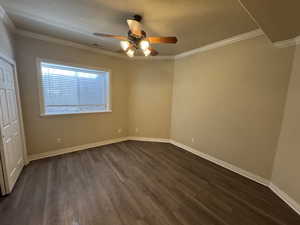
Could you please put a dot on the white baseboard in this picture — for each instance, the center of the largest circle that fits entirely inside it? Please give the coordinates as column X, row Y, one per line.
column 134, row 138
column 281, row 194
column 74, row 149
column 285, row 197
column 224, row 164
column 91, row 145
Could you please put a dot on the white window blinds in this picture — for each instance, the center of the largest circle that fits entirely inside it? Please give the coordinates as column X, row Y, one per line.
column 68, row 90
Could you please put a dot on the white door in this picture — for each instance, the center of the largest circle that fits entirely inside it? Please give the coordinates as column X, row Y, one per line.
column 11, row 147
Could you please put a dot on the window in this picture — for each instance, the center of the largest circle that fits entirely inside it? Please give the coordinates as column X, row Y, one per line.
column 71, row 90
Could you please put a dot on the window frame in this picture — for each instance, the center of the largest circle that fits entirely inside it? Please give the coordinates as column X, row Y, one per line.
column 42, row 112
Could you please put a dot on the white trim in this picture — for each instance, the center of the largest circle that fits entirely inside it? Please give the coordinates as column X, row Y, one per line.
column 224, row 164
column 75, row 113
column 2, row 12
column 20, row 114
column 91, row 145
column 241, row 37
column 74, row 149
column 46, row 22
column 285, row 197
column 7, row 58
column 6, row 20
column 49, row 39
column 70, row 43
column 281, row 194
column 218, row 44
column 40, row 91
column 287, row 43
column 135, row 138
column 6, row 189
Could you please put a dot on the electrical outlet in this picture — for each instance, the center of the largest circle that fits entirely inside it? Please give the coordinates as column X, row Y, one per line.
column 120, row 130
column 58, row 140
column 193, row 140
column 136, row 130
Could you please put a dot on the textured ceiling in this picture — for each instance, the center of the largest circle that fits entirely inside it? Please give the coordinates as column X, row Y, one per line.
column 280, row 19
column 194, row 22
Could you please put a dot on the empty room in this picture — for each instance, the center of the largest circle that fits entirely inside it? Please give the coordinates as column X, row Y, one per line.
column 150, row 112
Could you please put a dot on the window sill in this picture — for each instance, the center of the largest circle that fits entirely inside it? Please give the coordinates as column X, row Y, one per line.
column 76, row 113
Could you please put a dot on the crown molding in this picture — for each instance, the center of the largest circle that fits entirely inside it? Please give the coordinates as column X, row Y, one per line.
column 252, row 34
column 47, row 38
column 241, row 37
column 218, row 44
column 70, row 43
column 287, row 43
column 59, row 41
column 6, row 20
column 47, row 22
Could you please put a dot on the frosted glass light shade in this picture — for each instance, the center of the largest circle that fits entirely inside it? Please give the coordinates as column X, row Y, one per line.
column 144, row 45
column 147, row 52
column 125, row 45
column 130, row 53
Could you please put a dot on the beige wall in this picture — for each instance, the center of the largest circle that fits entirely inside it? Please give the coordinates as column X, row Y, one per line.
column 150, row 98
column 42, row 132
column 141, row 94
column 230, row 100
column 6, row 41
column 287, row 162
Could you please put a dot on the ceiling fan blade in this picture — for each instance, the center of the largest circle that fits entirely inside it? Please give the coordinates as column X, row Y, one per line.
column 111, row 36
column 157, row 40
column 135, row 27
column 153, row 52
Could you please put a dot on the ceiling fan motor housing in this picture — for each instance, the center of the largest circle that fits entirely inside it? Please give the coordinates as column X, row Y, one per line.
column 135, row 40
column 138, row 18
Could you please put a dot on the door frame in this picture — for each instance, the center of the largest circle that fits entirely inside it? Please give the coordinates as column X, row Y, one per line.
column 20, row 115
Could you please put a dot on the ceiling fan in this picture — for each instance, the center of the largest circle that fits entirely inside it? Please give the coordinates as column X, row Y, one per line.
column 137, row 39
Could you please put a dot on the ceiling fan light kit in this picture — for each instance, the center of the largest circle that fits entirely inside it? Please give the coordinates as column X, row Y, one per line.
column 130, row 52
column 137, row 39
column 147, row 52
column 131, row 46
column 125, row 45
column 144, row 45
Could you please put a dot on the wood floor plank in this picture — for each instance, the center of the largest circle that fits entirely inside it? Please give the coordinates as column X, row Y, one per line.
column 139, row 183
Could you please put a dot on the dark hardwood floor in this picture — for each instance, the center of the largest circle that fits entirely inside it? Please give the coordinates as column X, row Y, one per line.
column 138, row 183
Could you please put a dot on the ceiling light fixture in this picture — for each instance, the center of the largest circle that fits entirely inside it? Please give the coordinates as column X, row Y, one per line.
column 125, row 45
column 147, row 52
column 130, row 53
column 130, row 46
column 138, row 39
column 144, row 44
